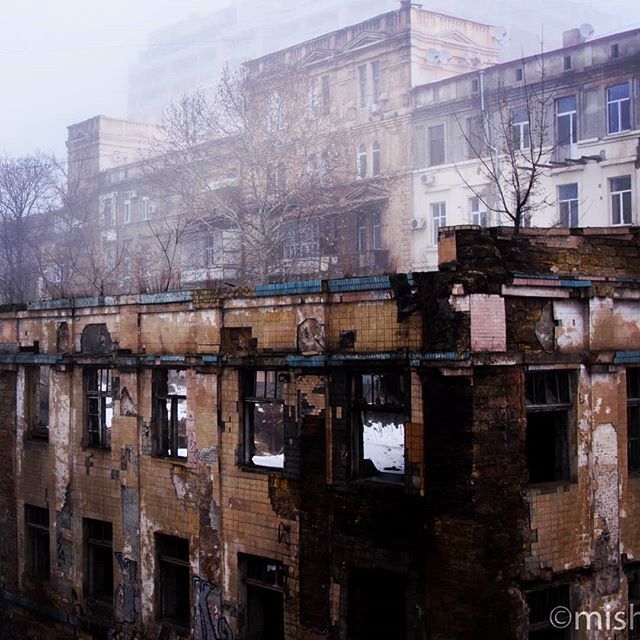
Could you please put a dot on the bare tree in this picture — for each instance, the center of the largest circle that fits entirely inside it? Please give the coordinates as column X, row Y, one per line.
column 256, row 172
column 27, row 197
column 512, row 143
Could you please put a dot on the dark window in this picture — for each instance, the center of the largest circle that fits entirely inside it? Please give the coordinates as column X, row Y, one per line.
column 620, row 191
column 541, row 602
column 633, row 420
column 633, row 595
column 37, row 407
column 549, row 406
column 375, row 81
column 37, row 541
column 362, row 233
column 263, row 583
column 475, row 85
column 362, row 85
column 378, row 407
column 264, row 418
column 170, row 412
column 326, row 94
column 568, row 204
column 99, row 561
column 369, row 593
column 436, row 145
column 99, row 407
column 376, row 231
column 614, row 51
column 618, row 108
column 173, row 573
column 566, row 63
column 519, row 74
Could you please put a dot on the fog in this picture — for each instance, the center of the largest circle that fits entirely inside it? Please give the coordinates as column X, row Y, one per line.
column 64, row 62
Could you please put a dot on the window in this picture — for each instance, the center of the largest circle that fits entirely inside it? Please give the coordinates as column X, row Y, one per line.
column 99, row 407
column 566, row 124
column 36, row 541
column 362, row 85
column 614, row 51
column 566, row 63
column 361, row 232
column 325, row 163
column 108, row 212
column 620, row 189
column 376, row 231
column 174, row 580
column 519, row 74
column 375, row 81
column 633, row 420
column 475, row 85
column 300, row 239
column 275, row 113
column 568, row 204
column 378, row 424
column 362, row 161
column 548, row 441
column 146, row 211
column 37, row 407
column 618, row 108
column 633, row 596
column 312, row 163
column 99, row 561
column 438, row 219
column 263, row 582
column 478, row 211
column 209, row 250
column 476, row 140
column 126, row 215
column 541, row 602
column 436, row 144
column 326, row 94
column 264, row 418
column 313, row 98
column 170, row 412
column 375, row 159
column 281, row 176
column 520, row 128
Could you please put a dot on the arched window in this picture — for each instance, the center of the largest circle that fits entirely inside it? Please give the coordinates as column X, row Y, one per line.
column 312, row 163
column 376, row 159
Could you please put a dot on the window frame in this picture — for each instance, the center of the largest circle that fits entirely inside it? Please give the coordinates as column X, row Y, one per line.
column 92, row 544
column 103, row 431
column 479, row 215
column 165, row 562
column 37, row 567
column 361, row 159
column 439, row 214
column 633, row 408
column 361, row 71
column 36, row 430
column 572, row 115
column 562, row 599
column 251, row 398
column 376, row 81
column 437, row 156
column 126, row 212
column 375, row 159
column 568, row 207
column 167, row 435
column 619, row 105
column 521, row 128
column 617, row 200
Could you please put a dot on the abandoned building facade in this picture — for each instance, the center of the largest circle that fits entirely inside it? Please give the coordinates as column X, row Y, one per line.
column 434, row 455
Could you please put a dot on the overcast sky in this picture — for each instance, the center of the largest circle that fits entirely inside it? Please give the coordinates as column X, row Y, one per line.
column 62, row 61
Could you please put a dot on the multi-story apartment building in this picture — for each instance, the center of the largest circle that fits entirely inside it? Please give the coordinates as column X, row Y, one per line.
column 578, row 105
column 446, row 455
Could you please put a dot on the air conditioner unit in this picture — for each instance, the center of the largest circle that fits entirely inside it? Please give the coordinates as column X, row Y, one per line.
column 417, row 223
column 374, row 108
column 428, row 180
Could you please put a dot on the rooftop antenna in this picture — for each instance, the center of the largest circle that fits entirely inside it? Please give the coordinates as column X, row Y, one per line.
column 445, row 56
column 433, row 55
column 500, row 34
column 586, row 30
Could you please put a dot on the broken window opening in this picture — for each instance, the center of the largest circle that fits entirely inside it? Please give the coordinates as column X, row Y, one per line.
column 379, row 417
column 541, row 602
column 99, row 562
column 170, row 412
column 548, row 440
column 37, row 408
column 633, row 596
column 174, row 580
column 633, row 420
column 99, row 407
column 263, row 583
column 264, row 419
column 37, row 541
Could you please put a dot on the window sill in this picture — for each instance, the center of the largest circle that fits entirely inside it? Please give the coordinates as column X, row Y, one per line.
column 254, row 468
column 38, row 440
column 171, row 459
column 556, row 486
column 97, row 449
column 385, row 480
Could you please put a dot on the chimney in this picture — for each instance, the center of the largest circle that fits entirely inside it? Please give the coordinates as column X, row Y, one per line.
column 571, row 37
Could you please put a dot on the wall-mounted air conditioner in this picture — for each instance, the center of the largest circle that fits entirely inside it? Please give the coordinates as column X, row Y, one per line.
column 417, row 223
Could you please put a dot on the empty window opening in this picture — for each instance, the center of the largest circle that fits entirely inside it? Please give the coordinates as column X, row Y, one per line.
column 99, row 561
column 548, row 397
column 614, row 51
column 541, row 602
column 566, row 63
column 37, row 541
column 37, row 408
column 99, row 407
column 170, row 412
column 263, row 584
column 633, row 594
column 633, row 420
column 519, row 74
column 379, row 416
column 173, row 574
column 264, row 419
column 369, row 593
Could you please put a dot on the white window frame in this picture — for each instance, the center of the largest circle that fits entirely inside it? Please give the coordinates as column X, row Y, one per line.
column 569, row 205
column 522, row 125
column 362, row 161
column 478, row 212
column 146, row 209
column 618, row 102
column 618, row 196
column 438, row 219
column 126, row 212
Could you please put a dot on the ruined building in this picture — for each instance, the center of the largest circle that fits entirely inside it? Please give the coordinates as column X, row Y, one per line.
column 446, row 455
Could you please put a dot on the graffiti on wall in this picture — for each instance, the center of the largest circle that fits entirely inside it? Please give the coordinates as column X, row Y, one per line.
column 213, row 624
column 127, row 591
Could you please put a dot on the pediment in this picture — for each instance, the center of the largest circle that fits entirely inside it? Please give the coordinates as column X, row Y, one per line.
column 365, row 39
column 456, row 37
column 318, row 55
column 366, row 192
